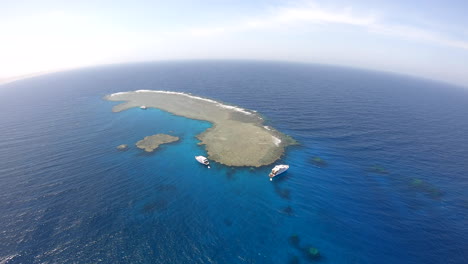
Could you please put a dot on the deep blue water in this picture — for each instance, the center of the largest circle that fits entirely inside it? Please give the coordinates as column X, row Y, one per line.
column 68, row 196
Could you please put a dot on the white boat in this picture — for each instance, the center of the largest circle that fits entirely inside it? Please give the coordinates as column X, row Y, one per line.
column 203, row 160
column 143, row 107
column 277, row 170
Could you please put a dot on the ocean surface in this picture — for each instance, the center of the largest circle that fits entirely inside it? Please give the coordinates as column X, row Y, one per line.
column 392, row 186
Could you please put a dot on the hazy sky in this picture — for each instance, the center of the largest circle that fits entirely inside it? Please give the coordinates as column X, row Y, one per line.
column 426, row 38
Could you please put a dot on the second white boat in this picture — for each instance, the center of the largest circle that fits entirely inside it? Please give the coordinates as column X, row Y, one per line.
column 203, row 161
column 277, row 170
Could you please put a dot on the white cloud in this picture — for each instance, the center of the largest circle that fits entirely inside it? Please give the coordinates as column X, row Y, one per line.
column 287, row 16
column 315, row 14
column 419, row 34
column 57, row 40
column 312, row 14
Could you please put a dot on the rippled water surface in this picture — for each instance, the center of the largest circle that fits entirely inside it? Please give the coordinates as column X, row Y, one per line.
column 390, row 184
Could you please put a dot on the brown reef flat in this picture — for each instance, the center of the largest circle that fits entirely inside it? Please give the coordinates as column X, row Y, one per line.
column 150, row 143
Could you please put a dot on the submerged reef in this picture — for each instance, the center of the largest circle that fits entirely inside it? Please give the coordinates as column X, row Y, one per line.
column 426, row 188
column 319, row 162
column 294, row 241
column 309, row 252
column 288, row 210
column 294, row 260
column 378, row 169
column 237, row 137
column 150, row 143
column 231, row 173
column 312, row 253
column 283, row 193
column 122, row 147
column 155, row 206
column 227, row 222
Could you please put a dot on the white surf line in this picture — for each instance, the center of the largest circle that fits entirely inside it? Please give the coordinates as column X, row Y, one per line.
column 119, row 93
column 230, row 107
column 276, row 141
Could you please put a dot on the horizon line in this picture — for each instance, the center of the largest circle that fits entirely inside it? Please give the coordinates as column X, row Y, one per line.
column 11, row 79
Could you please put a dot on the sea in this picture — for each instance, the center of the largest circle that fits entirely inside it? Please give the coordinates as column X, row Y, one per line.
column 380, row 174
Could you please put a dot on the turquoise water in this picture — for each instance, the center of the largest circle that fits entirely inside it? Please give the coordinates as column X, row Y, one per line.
column 68, row 196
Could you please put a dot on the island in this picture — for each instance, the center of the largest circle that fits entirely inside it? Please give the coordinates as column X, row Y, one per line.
column 150, row 143
column 237, row 137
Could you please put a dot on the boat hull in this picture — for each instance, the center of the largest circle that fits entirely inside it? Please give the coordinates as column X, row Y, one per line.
column 280, row 170
column 203, row 160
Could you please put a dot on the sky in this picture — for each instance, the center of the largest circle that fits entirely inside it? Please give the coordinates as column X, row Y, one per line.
column 426, row 38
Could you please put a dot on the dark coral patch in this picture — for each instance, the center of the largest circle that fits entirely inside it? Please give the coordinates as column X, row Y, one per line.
column 378, row 169
column 312, row 253
column 294, row 260
column 156, row 206
column 283, row 193
column 295, row 241
column 426, row 188
column 319, row 162
column 227, row 222
column 230, row 174
column 288, row 210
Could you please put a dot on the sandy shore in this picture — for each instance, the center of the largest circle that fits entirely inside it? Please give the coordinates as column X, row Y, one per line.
column 237, row 137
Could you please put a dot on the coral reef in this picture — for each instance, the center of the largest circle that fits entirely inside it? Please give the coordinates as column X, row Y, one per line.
column 319, row 162
column 150, row 143
column 155, row 206
column 309, row 252
column 295, row 241
column 426, row 188
column 238, row 136
column 122, row 147
column 312, row 253
column 294, row 260
column 288, row 210
column 378, row 169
